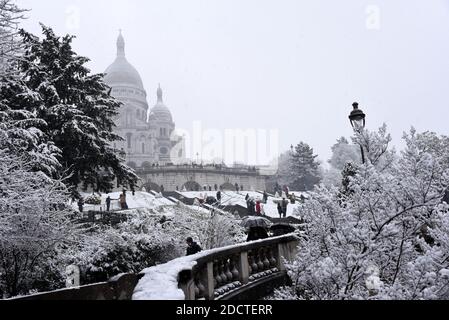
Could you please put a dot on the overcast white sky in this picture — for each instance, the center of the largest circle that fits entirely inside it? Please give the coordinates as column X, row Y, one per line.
column 291, row 65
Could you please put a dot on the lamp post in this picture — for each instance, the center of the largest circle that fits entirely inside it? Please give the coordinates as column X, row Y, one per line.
column 358, row 121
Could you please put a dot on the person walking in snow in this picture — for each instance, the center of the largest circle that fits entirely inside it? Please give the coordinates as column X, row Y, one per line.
column 258, row 208
column 192, row 247
column 122, row 199
column 284, row 207
column 293, row 199
column 219, row 197
column 252, row 205
column 80, row 204
column 108, row 203
column 280, row 211
column 265, row 197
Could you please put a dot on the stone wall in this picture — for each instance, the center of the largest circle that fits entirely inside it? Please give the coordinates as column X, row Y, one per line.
column 174, row 179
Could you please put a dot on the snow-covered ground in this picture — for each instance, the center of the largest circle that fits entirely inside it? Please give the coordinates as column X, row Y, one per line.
column 238, row 198
column 137, row 201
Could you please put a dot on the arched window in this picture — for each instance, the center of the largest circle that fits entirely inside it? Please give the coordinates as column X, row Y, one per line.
column 129, row 136
column 143, row 147
column 128, row 118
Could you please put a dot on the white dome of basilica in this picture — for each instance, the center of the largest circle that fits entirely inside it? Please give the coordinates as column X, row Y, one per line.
column 121, row 72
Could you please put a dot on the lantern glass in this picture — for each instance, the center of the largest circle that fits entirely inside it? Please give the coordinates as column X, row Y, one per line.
column 358, row 123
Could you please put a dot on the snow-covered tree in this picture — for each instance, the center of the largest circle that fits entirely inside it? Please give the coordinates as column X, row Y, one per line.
column 284, row 173
column 305, row 168
column 21, row 132
column 34, row 221
column 376, row 146
column 299, row 169
column 385, row 239
column 343, row 153
column 75, row 108
column 10, row 17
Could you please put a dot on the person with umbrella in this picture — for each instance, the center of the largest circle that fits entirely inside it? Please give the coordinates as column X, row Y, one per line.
column 257, row 233
column 257, row 227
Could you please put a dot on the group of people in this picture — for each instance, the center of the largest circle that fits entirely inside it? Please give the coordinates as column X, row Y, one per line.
column 122, row 202
column 255, row 207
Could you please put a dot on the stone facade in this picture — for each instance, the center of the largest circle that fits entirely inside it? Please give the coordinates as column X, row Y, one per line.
column 174, row 178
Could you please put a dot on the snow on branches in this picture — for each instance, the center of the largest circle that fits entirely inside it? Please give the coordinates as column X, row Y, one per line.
column 34, row 221
column 385, row 239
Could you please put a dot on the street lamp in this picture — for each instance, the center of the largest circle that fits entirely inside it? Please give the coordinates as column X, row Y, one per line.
column 357, row 117
column 358, row 121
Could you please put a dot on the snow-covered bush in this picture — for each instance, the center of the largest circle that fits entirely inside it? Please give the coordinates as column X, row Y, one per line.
column 387, row 236
column 211, row 230
column 93, row 200
column 149, row 237
column 107, row 252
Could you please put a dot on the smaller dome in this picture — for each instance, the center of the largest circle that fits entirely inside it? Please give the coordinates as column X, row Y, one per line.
column 160, row 112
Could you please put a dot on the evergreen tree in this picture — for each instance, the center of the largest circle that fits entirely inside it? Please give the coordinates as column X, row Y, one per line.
column 76, row 111
column 305, row 168
column 299, row 168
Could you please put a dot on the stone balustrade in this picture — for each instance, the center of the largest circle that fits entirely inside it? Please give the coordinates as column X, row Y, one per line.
column 239, row 271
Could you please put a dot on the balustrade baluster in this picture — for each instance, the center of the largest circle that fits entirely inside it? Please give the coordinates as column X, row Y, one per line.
column 273, row 261
column 266, row 262
column 217, row 276
column 254, row 266
column 228, row 270
column 259, row 261
column 235, row 272
column 224, row 278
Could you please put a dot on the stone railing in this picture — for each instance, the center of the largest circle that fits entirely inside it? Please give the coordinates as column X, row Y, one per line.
column 248, row 271
column 199, row 169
